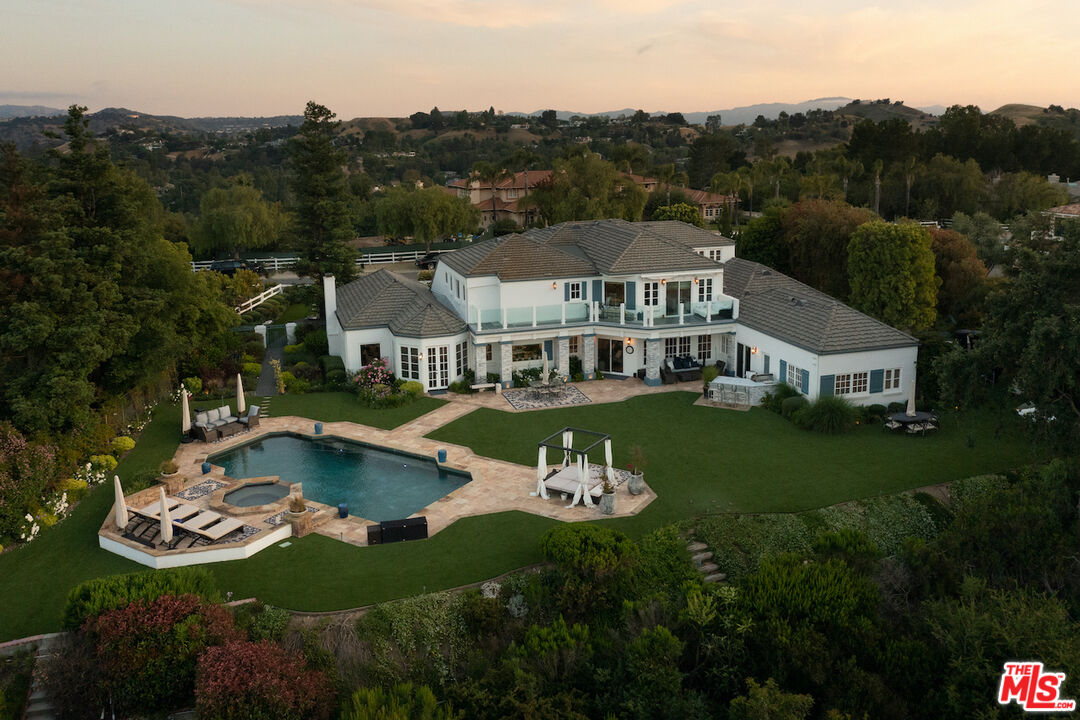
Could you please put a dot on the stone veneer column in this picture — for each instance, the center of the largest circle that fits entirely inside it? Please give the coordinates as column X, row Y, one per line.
column 653, row 356
column 480, row 363
column 564, row 357
column 588, row 356
column 507, row 364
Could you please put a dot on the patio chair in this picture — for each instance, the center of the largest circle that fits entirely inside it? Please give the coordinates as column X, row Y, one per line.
column 251, row 418
column 891, row 424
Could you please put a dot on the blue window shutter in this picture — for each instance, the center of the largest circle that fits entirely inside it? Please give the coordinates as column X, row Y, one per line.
column 783, row 371
column 877, row 381
column 766, row 364
column 566, row 292
column 828, row 383
column 549, row 350
column 584, row 290
column 806, row 382
column 597, row 290
column 631, row 295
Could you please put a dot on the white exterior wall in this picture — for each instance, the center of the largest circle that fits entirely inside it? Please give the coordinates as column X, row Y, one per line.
column 428, row 346
column 351, row 341
column 902, row 358
column 444, row 286
column 777, row 350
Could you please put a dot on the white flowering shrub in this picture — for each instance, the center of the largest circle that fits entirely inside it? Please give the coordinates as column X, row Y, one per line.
column 29, row 529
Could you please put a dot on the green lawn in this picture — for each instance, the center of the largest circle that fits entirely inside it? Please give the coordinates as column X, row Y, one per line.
column 701, row 460
column 706, row 460
column 294, row 312
column 343, row 407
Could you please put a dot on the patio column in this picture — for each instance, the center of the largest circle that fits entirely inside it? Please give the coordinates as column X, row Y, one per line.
column 653, row 357
column 564, row 357
column 507, row 360
column 588, row 356
column 480, row 363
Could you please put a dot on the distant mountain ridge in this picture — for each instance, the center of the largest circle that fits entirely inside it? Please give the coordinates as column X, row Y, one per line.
column 731, row 116
column 17, row 111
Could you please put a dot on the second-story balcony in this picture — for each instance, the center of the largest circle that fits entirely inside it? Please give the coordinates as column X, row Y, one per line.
column 578, row 313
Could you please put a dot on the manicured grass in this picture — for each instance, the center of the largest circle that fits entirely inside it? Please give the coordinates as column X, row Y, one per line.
column 701, row 460
column 295, row 312
column 343, row 407
column 706, row 460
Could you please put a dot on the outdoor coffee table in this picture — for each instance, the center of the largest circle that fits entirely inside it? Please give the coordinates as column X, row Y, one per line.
column 230, row 429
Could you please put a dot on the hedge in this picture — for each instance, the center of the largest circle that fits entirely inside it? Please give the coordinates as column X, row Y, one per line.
column 94, row 597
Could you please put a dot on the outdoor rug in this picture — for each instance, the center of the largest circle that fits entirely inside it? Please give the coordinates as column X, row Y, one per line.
column 197, row 491
column 530, row 399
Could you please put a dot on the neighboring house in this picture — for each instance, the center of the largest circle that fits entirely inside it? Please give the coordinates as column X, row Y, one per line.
column 711, row 205
column 1065, row 212
column 507, row 193
column 621, row 297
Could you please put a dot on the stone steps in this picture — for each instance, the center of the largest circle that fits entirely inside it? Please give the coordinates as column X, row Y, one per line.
column 701, row 557
column 715, row 577
column 708, row 568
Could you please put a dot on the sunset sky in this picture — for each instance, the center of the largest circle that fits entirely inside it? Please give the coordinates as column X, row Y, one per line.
column 394, row 57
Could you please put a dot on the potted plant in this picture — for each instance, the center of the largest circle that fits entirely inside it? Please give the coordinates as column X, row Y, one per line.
column 169, row 468
column 297, row 506
column 636, row 484
column 607, row 499
column 170, row 476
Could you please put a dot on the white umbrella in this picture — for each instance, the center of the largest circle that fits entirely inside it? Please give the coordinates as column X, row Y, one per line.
column 121, row 504
column 240, row 406
column 166, row 521
column 547, row 369
column 185, row 411
column 911, row 401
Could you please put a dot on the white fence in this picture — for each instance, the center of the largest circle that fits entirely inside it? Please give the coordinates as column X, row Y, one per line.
column 259, row 299
column 277, row 264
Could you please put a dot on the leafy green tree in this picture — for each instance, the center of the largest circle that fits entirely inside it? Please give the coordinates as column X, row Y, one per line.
column 891, row 269
column 769, row 702
column 962, row 275
column 683, row 212
column 237, row 218
column 762, row 240
column 323, row 218
column 586, row 187
column 491, row 175
column 985, row 233
column 426, row 215
column 1015, row 193
column 402, row 702
column 817, row 234
column 712, row 153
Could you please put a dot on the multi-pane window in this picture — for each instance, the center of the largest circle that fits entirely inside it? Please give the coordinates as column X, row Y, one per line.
column 684, row 345
column 859, row 382
column 704, row 289
column 794, row 376
column 671, row 347
column 842, row 385
column 892, row 379
column 575, row 345
column 652, row 294
column 575, row 290
column 462, row 358
column 487, row 352
column 410, row 363
column 704, row 348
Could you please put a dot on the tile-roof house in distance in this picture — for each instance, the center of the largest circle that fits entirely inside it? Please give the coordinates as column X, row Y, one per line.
column 618, row 297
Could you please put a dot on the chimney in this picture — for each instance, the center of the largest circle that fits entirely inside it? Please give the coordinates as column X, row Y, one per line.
column 329, row 285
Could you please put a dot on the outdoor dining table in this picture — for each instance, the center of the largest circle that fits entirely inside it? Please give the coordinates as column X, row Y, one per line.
column 921, row 418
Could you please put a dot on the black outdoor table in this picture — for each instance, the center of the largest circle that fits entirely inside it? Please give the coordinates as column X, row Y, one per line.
column 903, row 418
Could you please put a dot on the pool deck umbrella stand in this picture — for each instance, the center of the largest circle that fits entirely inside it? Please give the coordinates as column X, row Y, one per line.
column 573, row 474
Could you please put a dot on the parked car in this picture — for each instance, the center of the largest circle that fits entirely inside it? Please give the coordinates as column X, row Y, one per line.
column 229, row 267
column 428, row 262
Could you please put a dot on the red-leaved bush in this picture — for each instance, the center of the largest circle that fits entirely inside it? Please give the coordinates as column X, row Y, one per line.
column 259, row 681
column 147, row 651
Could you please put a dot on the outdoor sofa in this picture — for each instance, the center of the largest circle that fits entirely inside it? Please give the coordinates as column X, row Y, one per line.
column 212, row 425
column 683, row 368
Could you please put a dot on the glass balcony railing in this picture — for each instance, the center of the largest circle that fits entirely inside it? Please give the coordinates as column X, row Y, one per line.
column 575, row 313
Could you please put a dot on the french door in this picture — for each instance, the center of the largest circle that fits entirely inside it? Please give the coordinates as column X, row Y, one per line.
column 438, row 368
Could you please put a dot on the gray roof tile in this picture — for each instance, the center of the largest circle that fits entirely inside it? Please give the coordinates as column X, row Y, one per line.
column 788, row 310
column 405, row 306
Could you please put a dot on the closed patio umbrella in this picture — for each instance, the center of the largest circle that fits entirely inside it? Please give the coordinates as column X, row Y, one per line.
column 120, row 505
column 547, row 370
column 911, row 401
column 185, row 411
column 166, row 521
column 240, row 405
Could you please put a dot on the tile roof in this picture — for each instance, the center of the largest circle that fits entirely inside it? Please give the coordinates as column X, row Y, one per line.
column 1072, row 210
column 788, row 310
column 405, row 306
column 701, row 197
column 595, row 247
column 517, row 180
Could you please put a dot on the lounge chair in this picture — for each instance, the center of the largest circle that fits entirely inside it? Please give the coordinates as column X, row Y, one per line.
column 200, row 521
column 251, row 419
column 221, row 529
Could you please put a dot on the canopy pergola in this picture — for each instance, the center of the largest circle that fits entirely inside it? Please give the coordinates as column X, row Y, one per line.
column 572, row 475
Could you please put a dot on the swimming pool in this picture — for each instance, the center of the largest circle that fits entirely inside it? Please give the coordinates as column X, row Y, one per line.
column 378, row 484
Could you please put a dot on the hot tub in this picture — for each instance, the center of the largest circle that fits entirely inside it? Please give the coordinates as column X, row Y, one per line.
column 257, row 494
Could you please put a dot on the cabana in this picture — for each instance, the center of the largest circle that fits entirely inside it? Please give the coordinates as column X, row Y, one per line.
column 572, row 475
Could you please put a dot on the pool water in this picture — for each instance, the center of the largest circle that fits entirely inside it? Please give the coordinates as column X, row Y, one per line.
column 377, row 484
column 257, row 494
